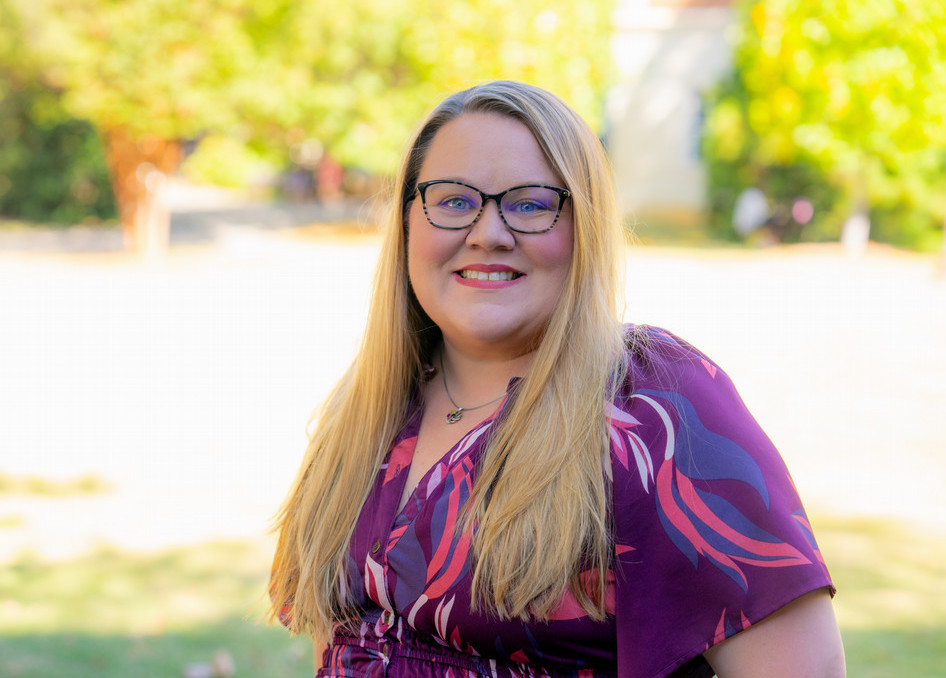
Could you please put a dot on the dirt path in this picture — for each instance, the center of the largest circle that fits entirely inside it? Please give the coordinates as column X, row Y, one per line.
column 187, row 383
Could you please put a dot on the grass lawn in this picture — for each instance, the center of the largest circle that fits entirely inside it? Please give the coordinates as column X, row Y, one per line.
column 115, row 614
column 120, row 615
column 891, row 600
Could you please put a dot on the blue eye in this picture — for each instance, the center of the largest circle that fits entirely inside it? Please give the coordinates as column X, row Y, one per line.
column 457, row 203
column 528, row 207
column 452, row 198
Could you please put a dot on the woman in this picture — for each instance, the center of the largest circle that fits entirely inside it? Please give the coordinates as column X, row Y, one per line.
column 508, row 481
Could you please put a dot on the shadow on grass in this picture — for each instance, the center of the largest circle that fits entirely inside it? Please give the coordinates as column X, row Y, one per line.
column 257, row 651
column 119, row 614
column 891, row 602
column 889, row 653
column 260, row 651
column 115, row 614
column 49, row 487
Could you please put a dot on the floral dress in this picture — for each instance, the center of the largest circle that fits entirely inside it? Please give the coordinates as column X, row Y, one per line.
column 709, row 537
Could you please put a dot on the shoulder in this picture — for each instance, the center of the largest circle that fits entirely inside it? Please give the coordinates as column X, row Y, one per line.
column 659, row 363
column 708, row 527
column 675, row 404
column 656, row 357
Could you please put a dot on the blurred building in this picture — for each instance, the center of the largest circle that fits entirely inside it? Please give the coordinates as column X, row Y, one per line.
column 668, row 53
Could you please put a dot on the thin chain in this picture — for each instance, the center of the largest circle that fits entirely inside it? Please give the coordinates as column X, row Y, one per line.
column 456, row 414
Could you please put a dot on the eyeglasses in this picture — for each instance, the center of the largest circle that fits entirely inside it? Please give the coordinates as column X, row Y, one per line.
column 454, row 205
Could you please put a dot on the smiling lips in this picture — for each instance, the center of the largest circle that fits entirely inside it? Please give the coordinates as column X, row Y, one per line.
column 484, row 275
column 487, row 275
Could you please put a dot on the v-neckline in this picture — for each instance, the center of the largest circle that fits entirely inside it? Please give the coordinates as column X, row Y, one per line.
column 405, row 515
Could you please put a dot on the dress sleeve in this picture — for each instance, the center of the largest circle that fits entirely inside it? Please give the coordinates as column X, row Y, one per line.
column 710, row 534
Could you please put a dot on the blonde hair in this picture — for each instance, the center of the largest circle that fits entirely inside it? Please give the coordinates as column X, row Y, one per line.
column 538, row 525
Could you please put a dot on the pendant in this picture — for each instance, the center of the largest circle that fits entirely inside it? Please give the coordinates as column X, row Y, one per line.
column 453, row 416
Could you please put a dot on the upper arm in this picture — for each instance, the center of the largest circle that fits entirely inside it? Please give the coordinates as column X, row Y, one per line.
column 801, row 640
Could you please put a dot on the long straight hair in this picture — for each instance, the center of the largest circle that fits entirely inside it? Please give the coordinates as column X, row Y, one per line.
column 540, row 501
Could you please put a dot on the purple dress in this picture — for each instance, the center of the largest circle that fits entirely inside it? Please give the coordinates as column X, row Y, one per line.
column 710, row 537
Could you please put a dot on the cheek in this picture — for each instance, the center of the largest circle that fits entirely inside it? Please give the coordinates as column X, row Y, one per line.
column 423, row 249
column 554, row 253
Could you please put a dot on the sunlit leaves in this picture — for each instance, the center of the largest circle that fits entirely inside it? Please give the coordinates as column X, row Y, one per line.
column 397, row 59
column 855, row 87
column 865, row 68
column 355, row 75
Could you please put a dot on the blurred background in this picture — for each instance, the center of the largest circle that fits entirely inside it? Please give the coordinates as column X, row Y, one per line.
column 191, row 193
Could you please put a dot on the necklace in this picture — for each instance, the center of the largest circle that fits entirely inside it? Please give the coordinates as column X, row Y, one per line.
column 456, row 414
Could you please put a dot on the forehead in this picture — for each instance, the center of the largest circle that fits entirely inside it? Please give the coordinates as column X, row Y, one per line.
column 488, row 150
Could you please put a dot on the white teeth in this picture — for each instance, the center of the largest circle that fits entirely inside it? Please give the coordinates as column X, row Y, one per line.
column 483, row 275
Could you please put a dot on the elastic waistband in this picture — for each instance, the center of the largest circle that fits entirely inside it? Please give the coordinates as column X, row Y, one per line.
column 407, row 653
column 410, row 646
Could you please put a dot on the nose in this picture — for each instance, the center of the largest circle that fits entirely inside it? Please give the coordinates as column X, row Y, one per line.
column 489, row 231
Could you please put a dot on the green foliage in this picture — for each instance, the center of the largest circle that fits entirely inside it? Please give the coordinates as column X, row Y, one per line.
column 264, row 74
column 52, row 169
column 853, row 92
column 730, row 146
column 356, row 76
column 380, row 65
column 51, row 166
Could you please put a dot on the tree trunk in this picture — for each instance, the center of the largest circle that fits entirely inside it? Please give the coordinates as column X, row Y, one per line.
column 941, row 267
column 855, row 233
column 139, row 167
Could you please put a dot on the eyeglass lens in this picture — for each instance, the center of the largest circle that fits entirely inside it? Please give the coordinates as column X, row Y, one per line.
column 528, row 208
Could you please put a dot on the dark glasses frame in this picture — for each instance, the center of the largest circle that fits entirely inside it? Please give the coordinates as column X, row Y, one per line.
column 563, row 194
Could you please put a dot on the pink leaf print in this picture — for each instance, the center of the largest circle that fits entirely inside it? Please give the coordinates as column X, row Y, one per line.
column 626, row 444
column 710, row 367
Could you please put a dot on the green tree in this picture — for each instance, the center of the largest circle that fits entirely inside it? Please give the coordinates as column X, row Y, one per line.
column 854, row 88
column 147, row 74
column 356, row 76
column 51, row 165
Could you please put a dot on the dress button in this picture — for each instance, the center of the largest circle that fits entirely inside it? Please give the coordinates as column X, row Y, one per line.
column 375, row 547
column 386, row 617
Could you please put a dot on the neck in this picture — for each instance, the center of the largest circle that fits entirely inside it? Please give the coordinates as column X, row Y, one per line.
column 473, row 380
